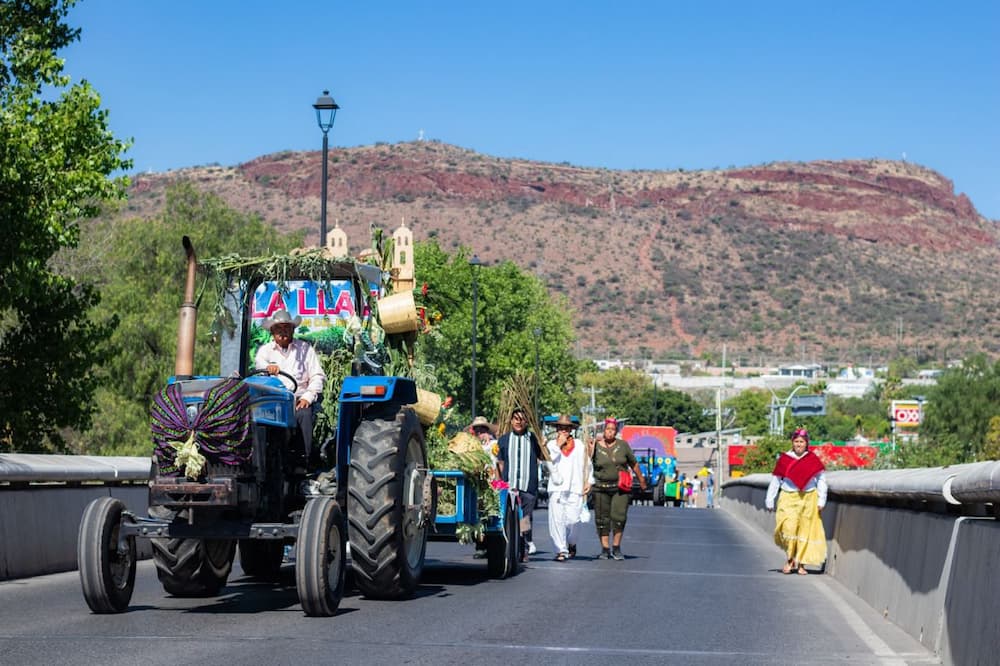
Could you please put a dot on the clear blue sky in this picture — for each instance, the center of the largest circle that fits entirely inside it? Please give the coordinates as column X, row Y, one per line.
column 618, row 84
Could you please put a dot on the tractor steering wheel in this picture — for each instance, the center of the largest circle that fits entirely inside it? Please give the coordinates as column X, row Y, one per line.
column 295, row 384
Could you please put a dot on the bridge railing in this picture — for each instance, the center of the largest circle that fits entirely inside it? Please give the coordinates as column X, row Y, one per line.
column 920, row 546
column 42, row 498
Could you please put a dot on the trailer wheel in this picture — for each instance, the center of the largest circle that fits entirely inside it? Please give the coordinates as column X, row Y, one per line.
column 191, row 567
column 659, row 494
column 387, row 525
column 261, row 558
column 501, row 548
column 107, row 567
column 320, row 557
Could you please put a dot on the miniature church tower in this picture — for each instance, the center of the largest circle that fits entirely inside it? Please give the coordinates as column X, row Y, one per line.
column 402, row 259
column 336, row 242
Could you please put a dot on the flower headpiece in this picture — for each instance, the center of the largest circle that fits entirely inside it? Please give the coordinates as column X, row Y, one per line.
column 801, row 432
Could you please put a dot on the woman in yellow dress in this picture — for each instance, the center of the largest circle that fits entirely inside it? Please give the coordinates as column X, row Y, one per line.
column 800, row 487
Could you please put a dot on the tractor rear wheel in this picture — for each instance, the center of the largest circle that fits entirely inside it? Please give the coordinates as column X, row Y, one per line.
column 192, row 567
column 261, row 558
column 659, row 496
column 386, row 508
column 320, row 557
column 107, row 567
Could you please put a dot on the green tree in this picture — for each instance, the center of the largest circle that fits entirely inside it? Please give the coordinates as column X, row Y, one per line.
column 991, row 448
column 511, row 305
column 140, row 267
column 628, row 394
column 957, row 415
column 753, row 410
column 760, row 458
column 56, row 158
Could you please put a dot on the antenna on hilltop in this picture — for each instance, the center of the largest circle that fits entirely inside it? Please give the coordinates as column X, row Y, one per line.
column 420, row 135
column 904, row 155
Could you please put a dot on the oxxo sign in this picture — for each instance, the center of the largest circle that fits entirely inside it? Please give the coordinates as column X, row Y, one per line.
column 906, row 413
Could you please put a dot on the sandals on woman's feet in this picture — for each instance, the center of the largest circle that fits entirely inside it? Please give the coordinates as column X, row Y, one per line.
column 561, row 557
column 787, row 569
column 802, row 571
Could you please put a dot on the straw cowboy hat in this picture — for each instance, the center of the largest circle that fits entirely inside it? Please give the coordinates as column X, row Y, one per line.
column 565, row 420
column 281, row 317
column 481, row 422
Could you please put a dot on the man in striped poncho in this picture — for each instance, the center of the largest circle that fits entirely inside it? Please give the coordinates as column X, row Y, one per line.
column 517, row 463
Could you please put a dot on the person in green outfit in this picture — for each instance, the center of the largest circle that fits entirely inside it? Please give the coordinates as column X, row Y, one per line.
column 610, row 456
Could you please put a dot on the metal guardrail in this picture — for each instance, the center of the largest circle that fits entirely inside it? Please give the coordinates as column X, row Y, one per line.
column 972, row 483
column 40, row 468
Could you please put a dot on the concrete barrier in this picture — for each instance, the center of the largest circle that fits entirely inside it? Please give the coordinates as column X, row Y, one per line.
column 42, row 499
column 39, row 525
column 919, row 546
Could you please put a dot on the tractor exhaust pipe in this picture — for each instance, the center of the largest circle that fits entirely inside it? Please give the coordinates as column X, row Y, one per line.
column 184, row 365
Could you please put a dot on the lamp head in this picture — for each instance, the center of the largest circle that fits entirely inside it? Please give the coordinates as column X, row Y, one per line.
column 326, row 111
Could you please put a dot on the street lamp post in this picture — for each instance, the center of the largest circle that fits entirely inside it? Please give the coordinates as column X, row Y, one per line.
column 778, row 408
column 538, row 376
column 326, row 112
column 475, row 264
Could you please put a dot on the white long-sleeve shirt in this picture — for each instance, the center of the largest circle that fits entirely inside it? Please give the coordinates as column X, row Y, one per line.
column 817, row 483
column 567, row 472
column 300, row 361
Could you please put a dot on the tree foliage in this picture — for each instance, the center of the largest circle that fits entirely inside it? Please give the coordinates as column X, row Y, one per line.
column 760, row 458
column 628, row 394
column 139, row 265
column 957, row 416
column 753, row 412
column 56, row 158
column 511, row 306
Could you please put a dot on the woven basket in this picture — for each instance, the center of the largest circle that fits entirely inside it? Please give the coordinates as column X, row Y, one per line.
column 427, row 407
column 398, row 313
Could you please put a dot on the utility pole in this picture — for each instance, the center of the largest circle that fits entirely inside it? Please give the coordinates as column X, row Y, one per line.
column 718, row 443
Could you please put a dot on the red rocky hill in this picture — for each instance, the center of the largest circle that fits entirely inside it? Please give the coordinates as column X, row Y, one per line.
column 829, row 260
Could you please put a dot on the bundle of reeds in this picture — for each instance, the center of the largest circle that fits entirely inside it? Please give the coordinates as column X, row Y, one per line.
column 519, row 391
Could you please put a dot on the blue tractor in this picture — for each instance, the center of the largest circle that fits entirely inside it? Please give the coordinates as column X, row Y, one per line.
column 370, row 497
column 659, row 471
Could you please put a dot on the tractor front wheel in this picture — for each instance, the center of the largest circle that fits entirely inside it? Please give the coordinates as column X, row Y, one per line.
column 386, row 508
column 320, row 557
column 107, row 565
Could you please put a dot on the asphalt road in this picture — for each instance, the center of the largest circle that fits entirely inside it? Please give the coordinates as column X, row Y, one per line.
column 697, row 587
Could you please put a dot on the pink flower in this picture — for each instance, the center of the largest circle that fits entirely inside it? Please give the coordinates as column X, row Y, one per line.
column 497, row 484
column 448, row 402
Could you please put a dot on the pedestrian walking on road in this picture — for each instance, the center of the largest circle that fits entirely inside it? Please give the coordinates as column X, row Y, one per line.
column 610, row 457
column 517, row 461
column 693, row 496
column 800, row 486
column 569, row 483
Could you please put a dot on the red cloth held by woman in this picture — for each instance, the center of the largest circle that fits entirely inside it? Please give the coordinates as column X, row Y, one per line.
column 798, row 470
